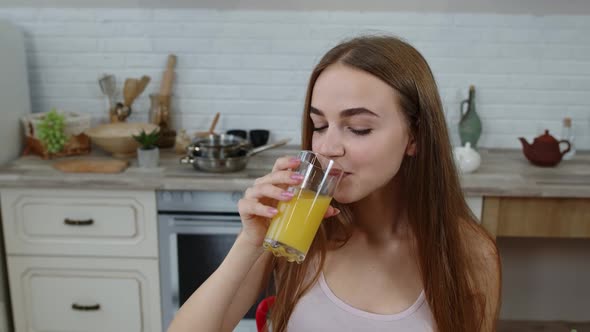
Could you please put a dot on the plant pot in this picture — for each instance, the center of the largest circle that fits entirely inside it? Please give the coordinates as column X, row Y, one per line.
column 148, row 158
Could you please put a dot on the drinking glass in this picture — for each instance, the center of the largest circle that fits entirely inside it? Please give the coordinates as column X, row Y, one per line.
column 294, row 227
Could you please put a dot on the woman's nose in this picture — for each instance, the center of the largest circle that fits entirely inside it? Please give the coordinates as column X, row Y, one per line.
column 330, row 145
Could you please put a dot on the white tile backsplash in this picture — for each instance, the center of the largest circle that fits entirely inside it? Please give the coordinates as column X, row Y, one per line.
column 253, row 66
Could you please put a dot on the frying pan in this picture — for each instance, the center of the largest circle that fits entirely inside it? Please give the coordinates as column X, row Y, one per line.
column 227, row 165
column 218, row 146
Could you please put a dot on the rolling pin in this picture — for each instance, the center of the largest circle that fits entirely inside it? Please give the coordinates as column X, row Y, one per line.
column 168, row 76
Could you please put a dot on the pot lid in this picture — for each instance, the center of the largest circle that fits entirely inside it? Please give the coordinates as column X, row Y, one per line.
column 223, row 140
column 546, row 138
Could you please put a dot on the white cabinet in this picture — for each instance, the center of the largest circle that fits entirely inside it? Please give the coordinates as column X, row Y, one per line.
column 81, row 294
column 475, row 203
column 81, row 260
column 66, row 222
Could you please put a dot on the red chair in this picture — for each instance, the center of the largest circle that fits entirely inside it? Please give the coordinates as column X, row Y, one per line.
column 262, row 311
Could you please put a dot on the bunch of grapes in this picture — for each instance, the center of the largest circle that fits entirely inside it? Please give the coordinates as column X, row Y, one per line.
column 51, row 131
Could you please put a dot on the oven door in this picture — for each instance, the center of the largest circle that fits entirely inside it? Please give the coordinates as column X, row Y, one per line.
column 192, row 246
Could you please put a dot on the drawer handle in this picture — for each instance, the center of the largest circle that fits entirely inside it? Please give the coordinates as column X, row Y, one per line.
column 74, row 222
column 79, row 307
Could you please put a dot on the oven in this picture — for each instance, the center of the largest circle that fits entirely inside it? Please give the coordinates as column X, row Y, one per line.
column 196, row 231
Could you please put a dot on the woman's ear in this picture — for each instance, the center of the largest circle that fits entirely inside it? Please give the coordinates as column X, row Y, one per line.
column 411, row 147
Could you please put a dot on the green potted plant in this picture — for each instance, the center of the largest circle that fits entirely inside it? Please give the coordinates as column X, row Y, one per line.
column 148, row 154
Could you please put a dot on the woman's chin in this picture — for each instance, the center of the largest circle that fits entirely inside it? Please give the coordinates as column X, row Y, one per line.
column 343, row 198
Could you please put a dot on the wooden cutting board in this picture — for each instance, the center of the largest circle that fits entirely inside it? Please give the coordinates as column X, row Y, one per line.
column 91, row 165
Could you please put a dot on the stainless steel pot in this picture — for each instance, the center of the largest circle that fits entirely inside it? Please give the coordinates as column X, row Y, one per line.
column 219, row 146
column 226, row 165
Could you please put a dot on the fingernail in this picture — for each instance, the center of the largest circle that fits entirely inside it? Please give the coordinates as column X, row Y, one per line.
column 294, row 159
column 287, row 194
column 297, row 176
column 273, row 210
column 336, row 211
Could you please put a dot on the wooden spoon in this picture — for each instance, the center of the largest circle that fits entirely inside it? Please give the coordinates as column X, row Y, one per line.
column 211, row 128
column 129, row 91
column 214, row 123
column 133, row 88
column 143, row 82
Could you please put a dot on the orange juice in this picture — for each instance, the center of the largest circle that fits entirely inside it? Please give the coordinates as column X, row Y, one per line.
column 298, row 220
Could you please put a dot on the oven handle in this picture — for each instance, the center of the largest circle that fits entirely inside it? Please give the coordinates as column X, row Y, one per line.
column 203, row 223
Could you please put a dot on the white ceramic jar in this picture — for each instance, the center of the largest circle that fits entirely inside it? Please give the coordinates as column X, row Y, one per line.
column 466, row 158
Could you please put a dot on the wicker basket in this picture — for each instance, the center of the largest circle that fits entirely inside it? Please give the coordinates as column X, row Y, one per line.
column 76, row 145
column 75, row 125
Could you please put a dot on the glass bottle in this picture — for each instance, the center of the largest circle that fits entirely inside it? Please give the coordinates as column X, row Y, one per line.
column 159, row 114
column 567, row 132
column 155, row 113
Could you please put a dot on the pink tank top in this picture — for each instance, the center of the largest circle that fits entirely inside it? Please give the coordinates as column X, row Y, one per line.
column 322, row 310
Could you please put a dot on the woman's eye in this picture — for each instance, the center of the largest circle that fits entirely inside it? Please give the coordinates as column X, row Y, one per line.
column 361, row 132
column 319, row 128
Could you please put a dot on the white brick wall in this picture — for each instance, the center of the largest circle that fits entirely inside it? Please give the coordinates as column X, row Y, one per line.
column 529, row 71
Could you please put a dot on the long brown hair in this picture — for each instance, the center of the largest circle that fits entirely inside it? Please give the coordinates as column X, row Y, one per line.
column 434, row 200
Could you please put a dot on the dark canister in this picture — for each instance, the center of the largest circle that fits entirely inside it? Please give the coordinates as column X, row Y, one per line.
column 259, row 137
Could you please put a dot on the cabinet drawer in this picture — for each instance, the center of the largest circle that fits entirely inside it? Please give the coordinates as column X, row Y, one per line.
column 78, row 222
column 84, row 295
column 537, row 217
column 85, row 303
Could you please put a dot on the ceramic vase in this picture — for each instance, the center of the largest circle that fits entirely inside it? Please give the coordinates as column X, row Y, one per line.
column 470, row 123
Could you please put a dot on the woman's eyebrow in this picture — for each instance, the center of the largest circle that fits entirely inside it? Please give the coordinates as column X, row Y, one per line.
column 345, row 113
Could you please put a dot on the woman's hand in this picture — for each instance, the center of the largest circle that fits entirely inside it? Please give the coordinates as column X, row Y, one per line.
column 260, row 201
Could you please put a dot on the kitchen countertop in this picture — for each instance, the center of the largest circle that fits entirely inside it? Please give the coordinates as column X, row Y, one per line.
column 502, row 173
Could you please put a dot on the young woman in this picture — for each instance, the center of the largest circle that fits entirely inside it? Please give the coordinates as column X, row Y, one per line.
column 399, row 249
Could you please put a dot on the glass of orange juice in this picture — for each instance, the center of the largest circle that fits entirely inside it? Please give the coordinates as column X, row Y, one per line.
column 293, row 228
